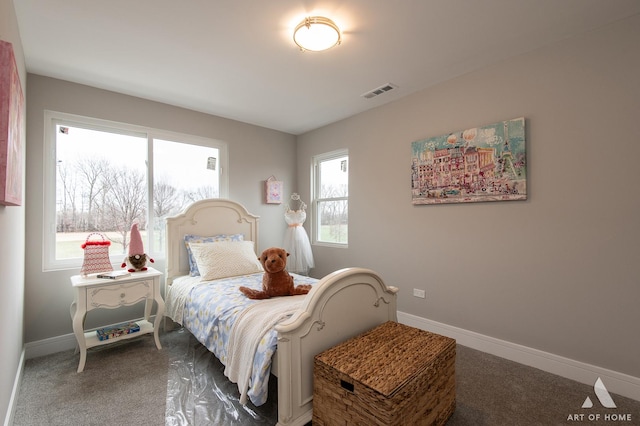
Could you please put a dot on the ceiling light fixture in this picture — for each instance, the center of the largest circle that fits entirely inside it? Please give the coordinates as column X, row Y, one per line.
column 316, row 33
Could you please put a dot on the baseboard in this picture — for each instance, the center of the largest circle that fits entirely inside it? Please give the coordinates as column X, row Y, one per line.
column 619, row 383
column 50, row 346
column 13, row 401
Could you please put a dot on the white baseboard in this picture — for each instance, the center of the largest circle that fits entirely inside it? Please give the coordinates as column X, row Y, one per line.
column 619, row 383
column 13, row 401
column 50, row 346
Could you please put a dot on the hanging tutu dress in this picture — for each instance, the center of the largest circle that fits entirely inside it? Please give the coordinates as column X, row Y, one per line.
column 296, row 240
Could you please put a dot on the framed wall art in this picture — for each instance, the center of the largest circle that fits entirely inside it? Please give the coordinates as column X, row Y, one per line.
column 11, row 118
column 486, row 163
column 274, row 190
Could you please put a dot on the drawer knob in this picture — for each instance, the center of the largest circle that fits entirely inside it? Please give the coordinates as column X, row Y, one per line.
column 122, row 295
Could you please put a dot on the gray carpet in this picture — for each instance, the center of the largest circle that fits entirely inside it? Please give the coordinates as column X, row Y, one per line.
column 122, row 384
column 494, row 391
column 133, row 383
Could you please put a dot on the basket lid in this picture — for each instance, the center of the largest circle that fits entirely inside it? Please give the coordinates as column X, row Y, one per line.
column 386, row 357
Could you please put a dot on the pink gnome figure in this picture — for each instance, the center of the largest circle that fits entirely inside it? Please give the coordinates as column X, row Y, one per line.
column 137, row 259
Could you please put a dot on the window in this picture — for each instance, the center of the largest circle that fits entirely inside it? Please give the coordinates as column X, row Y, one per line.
column 102, row 177
column 331, row 198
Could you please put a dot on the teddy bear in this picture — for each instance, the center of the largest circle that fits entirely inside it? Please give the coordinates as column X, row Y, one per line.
column 137, row 259
column 276, row 281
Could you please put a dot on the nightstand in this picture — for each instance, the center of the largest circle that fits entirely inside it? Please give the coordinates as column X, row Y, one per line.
column 101, row 293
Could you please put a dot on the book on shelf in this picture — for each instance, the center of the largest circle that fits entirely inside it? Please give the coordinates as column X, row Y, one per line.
column 117, row 330
column 114, row 275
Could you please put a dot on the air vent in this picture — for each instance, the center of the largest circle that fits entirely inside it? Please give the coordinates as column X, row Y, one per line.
column 379, row 91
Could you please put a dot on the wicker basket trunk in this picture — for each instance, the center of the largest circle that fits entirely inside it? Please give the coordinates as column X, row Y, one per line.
column 391, row 375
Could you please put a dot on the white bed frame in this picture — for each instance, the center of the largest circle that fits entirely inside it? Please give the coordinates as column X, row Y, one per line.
column 343, row 304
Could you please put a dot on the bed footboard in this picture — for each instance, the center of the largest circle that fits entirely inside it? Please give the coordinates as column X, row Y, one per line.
column 342, row 305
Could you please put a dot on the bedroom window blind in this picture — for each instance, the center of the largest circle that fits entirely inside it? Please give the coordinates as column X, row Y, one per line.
column 331, row 199
column 104, row 176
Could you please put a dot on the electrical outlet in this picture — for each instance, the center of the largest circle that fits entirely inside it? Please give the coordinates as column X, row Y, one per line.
column 419, row 293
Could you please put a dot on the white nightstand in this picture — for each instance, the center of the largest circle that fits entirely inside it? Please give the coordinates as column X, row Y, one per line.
column 94, row 293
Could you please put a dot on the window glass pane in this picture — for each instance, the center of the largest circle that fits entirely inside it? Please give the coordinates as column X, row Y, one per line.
column 183, row 173
column 101, row 185
column 98, row 180
column 333, row 221
column 334, row 178
column 331, row 193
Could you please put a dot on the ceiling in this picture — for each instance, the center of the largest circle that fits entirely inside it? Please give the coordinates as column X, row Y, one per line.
column 236, row 58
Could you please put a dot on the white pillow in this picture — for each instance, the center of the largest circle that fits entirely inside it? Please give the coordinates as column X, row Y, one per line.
column 225, row 259
column 193, row 267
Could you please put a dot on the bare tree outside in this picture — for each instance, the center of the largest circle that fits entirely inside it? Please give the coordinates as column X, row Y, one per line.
column 334, row 214
column 67, row 204
column 127, row 203
column 98, row 189
column 91, row 172
column 165, row 203
column 165, row 199
column 332, row 202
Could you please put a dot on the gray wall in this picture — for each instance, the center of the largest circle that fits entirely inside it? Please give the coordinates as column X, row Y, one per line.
column 12, row 243
column 255, row 153
column 557, row 272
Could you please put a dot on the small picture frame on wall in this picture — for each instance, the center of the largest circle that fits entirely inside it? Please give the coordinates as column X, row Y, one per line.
column 274, row 190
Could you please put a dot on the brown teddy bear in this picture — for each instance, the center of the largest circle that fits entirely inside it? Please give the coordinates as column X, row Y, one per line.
column 276, row 281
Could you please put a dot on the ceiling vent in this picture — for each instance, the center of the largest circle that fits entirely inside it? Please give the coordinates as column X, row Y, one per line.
column 379, row 91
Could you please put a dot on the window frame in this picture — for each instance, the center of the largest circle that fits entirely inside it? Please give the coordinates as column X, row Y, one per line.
column 54, row 118
column 316, row 186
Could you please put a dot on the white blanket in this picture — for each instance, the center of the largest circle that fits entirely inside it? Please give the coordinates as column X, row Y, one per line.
column 246, row 333
column 177, row 295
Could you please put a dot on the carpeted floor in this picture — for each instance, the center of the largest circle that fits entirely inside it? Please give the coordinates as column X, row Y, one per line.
column 133, row 383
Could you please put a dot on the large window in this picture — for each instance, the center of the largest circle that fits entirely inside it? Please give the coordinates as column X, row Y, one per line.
column 102, row 177
column 331, row 198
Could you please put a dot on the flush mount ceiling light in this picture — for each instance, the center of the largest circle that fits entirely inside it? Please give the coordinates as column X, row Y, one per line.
column 316, row 33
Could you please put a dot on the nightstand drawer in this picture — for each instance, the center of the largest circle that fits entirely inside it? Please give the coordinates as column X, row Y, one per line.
column 114, row 295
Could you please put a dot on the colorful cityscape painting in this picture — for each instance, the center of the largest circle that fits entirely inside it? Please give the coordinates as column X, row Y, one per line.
column 485, row 163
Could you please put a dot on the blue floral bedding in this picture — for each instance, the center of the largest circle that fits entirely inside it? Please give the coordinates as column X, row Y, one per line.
column 210, row 312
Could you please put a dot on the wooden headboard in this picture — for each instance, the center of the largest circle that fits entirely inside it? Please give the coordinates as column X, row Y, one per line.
column 206, row 218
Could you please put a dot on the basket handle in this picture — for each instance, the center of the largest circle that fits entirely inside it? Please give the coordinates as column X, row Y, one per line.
column 102, row 237
column 103, row 242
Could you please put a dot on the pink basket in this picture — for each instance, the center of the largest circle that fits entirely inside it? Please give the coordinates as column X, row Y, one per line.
column 96, row 255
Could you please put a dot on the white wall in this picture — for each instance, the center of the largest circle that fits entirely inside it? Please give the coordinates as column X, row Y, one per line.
column 12, row 224
column 255, row 153
column 557, row 272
